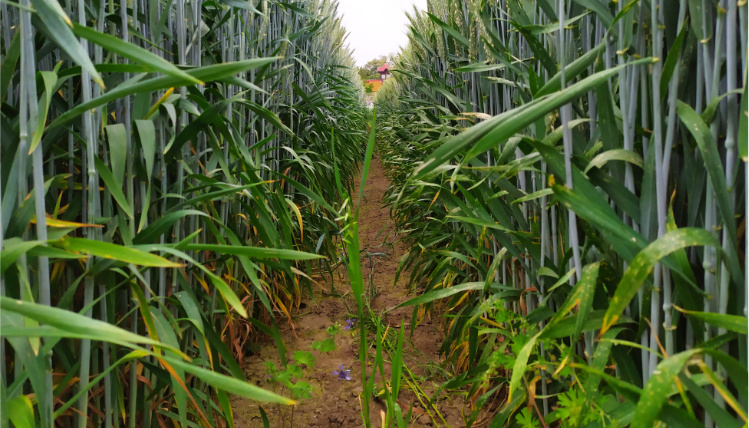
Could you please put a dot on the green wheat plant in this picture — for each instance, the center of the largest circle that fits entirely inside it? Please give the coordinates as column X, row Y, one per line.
column 348, row 216
column 165, row 176
column 580, row 165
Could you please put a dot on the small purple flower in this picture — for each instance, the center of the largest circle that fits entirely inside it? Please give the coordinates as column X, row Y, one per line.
column 349, row 324
column 343, row 373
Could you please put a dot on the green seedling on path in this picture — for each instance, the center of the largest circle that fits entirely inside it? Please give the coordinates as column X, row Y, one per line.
column 292, row 376
column 394, row 415
column 351, row 229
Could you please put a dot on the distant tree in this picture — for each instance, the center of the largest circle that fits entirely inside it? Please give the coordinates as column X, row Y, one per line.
column 366, row 74
column 369, row 70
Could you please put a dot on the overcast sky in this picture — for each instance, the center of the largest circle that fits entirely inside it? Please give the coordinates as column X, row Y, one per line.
column 376, row 27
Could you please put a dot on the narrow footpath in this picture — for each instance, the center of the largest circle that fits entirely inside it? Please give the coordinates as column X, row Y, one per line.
column 334, row 401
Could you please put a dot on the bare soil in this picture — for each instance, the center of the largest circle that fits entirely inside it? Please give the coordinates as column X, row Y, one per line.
column 334, row 402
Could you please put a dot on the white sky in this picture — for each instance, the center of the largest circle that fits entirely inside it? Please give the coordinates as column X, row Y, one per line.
column 376, row 27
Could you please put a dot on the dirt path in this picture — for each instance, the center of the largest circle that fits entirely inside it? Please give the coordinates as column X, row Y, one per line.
column 334, row 402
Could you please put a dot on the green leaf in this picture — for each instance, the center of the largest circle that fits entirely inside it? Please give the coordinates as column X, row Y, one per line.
column 744, row 126
column 211, row 196
column 539, row 50
column 306, row 191
column 533, row 196
column 21, row 412
column 58, row 28
column 447, row 292
column 305, row 357
column 135, row 86
column 601, row 216
column 59, row 411
column 735, row 323
column 13, row 248
column 326, row 345
column 72, row 324
column 243, row 5
column 600, row 9
column 708, row 113
column 190, row 306
column 147, row 137
column 133, row 52
column 551, row 28
column 111, row 251
column 615, row 154
column 455, row 34
column 483, row 223
column 397, row 362
column 600, row 358
column 521, row 363
column 210, row 117
column 117, row 138
column 479, row 67
column 264, row 418
column 113, row 186
column 569, row 325
column 254, row 252
column 739, row 375
column 655, row 393
column 581, row 296
column 629, row 391
column 705, row 142
column 645, row 261
column 50, row 80
column 336, row 170
column 223, row 399
column 496, row 130
column 152, row 232
column 570, row 71
column 367, row 162
column 9, row 64
column 269, row 116
column 227, row 293
column 672, row 60
column 301, row 390
column 230, row 384
column 718, row 414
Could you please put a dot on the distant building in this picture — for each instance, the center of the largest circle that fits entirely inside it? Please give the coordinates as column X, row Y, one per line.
column 384, row 71
column 374, row 85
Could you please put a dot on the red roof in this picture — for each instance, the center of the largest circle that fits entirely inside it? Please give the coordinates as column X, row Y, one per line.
column 383, row 69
